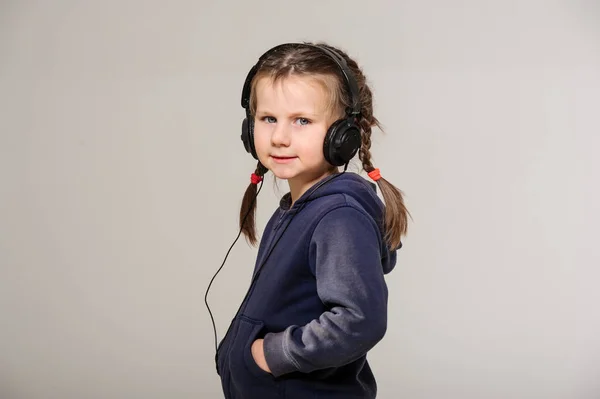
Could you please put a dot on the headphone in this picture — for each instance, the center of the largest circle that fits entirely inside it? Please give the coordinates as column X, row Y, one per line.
column 343, row 138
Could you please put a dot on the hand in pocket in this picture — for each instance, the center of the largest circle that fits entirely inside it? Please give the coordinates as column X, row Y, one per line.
column 258, row 354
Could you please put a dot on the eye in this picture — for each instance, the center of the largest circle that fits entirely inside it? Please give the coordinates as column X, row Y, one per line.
column 303, row 121
column 268, row 119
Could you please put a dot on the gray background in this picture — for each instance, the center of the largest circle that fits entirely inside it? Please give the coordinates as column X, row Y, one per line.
column 121, row 175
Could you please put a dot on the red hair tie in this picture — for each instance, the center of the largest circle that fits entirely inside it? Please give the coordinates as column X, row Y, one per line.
column 255, row 179
column 374, row 174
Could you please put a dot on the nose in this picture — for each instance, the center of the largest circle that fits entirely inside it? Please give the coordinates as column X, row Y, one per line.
column 281, row 136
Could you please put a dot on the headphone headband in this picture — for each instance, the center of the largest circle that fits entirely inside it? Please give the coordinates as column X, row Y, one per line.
column 351, row 84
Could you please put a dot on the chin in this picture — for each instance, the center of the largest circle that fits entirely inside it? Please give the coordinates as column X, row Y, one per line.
column 284, row 174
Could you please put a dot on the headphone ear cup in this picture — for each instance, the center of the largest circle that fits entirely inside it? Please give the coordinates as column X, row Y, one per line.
column 342, row 142
column 328, row 148
column 248, row 136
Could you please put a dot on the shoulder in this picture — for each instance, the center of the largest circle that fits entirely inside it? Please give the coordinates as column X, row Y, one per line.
column 343, row 204
column 345, row 237
column 344, row 218
column 326, row 205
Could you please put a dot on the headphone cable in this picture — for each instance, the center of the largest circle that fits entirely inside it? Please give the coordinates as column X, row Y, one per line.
column 223, row 264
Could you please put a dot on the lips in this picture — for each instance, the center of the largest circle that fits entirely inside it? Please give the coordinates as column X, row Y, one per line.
column 282, row 159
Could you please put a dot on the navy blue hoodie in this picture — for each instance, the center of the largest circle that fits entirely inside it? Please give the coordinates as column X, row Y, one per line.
column 319, row 301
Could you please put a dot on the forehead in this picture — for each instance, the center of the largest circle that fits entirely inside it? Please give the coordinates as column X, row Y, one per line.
column 291, row 94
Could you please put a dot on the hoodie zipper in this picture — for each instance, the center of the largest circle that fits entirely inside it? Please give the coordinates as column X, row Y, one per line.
column 281, row 218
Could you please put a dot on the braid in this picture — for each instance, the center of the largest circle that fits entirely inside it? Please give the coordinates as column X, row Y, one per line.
column 364, row 153
column 260, row 169
column 396, row 214
column 248, row 209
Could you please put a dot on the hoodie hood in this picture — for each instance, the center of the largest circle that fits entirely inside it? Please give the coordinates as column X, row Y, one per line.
column 359, row 189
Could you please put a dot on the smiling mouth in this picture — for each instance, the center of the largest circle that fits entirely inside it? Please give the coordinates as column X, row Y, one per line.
column 282, row 159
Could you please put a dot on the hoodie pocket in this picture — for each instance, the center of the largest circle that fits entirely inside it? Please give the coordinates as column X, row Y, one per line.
column 222, row 369
column 253, row 367
column 247, row 379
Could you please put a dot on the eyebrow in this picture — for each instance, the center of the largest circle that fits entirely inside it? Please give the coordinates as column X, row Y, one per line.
column 294, row 114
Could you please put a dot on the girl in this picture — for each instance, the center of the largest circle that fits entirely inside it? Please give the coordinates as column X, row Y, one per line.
column 317, row 302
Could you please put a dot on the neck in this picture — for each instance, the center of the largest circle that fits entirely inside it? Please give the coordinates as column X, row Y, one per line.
column 299, row 185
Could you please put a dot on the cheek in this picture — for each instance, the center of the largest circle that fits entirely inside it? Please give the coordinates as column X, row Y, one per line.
column 261, row 139
column 312, row 147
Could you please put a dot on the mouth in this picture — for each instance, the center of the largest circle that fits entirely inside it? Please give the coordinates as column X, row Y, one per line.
column 282, row 159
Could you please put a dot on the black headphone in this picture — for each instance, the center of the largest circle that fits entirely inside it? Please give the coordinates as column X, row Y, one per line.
column 343, row 138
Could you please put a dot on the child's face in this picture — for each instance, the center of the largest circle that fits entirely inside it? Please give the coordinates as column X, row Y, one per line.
column 291, row 121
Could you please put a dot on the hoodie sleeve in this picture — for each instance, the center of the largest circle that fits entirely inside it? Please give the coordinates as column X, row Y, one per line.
column 345, row 256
